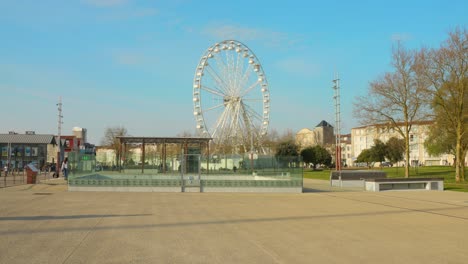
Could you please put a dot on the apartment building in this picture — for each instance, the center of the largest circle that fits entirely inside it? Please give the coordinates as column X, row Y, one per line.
column 363, row 138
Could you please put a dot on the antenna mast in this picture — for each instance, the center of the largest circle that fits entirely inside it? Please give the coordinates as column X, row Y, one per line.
column 59, row 143
column 336, row 88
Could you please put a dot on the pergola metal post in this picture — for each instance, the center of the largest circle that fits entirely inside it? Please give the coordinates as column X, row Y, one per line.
column 119, row 160
column 143, row 156
column 185, row 155
column 208, row 158
column 124, row 153
column 164, row 157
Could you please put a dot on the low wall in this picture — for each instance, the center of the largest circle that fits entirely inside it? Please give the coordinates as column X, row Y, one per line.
column 377, row 185
column 354, row 178
column 348, row 183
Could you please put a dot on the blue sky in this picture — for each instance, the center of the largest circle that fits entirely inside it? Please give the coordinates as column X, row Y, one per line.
column 131, row 63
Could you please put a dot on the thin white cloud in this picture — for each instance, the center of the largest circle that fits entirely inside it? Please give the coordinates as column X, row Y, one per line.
column 106, row 3
column 269, row 37
column 298, row 66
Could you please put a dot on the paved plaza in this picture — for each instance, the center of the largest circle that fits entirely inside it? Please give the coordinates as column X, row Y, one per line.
column 44, row 223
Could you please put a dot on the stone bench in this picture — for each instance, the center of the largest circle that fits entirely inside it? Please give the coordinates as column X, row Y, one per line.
column 354, row 178
column 377, row 185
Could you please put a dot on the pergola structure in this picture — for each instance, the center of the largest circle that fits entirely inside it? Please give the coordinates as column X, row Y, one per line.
column 183, row 142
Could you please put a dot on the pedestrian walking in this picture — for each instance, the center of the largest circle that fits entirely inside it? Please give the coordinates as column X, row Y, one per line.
column 65, row 168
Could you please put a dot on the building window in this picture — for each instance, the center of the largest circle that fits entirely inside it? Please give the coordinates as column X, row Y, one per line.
column 34, row 151
column 411, row 138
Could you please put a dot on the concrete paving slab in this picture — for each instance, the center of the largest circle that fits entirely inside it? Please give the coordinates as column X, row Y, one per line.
column 44, row 223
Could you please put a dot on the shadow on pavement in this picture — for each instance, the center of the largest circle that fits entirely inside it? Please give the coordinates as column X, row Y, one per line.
column 394, row 210
column 61, row 217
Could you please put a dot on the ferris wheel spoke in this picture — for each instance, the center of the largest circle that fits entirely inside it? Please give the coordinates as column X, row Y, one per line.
column 213, row 107
column 245, row 77
column 222, row 122
column 250, row 88
column 221, row 65
column 225, row 130
column 252, row 99
column 237, row 125
column 238, row 72
column 218, row 124
column 252, row 112
column 231, row 71
column 211, row 90
column 247, row 122
column 229, row 68
column 218, row 80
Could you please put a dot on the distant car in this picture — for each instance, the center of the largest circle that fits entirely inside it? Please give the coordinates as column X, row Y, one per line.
column 386, row 164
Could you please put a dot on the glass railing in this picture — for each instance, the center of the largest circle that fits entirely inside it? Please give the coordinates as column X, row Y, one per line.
column 189, row 170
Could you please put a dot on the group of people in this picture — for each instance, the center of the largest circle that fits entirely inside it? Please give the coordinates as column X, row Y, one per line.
column 63, row 168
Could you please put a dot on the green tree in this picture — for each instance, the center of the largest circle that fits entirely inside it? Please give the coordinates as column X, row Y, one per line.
column 395, row 149
column 322, row 156
column 440, row 141
column 446, row 69
column 308, row 155
column 286, row 152
column 365, row 156
column 287, row 149
column 379, row 151
column 316, row 155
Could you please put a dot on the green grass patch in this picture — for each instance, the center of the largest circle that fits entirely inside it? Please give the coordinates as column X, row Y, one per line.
column 456, row 187
column 446, row 172
column 317, row 174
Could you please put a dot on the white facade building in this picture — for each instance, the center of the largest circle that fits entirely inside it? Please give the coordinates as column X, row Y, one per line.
column 346, row 150
column 363, row 138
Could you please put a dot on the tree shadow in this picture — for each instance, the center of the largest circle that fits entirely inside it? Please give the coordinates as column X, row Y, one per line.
column 394, row 211
column 62, row 217
column 312, row 190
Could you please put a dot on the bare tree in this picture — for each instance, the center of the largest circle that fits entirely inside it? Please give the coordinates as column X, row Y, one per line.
column 271, row 141
column 446, row 68
column 397, row 99
column 111, row 140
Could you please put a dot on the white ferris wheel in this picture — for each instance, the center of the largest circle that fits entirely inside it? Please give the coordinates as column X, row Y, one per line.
column 231, row 99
